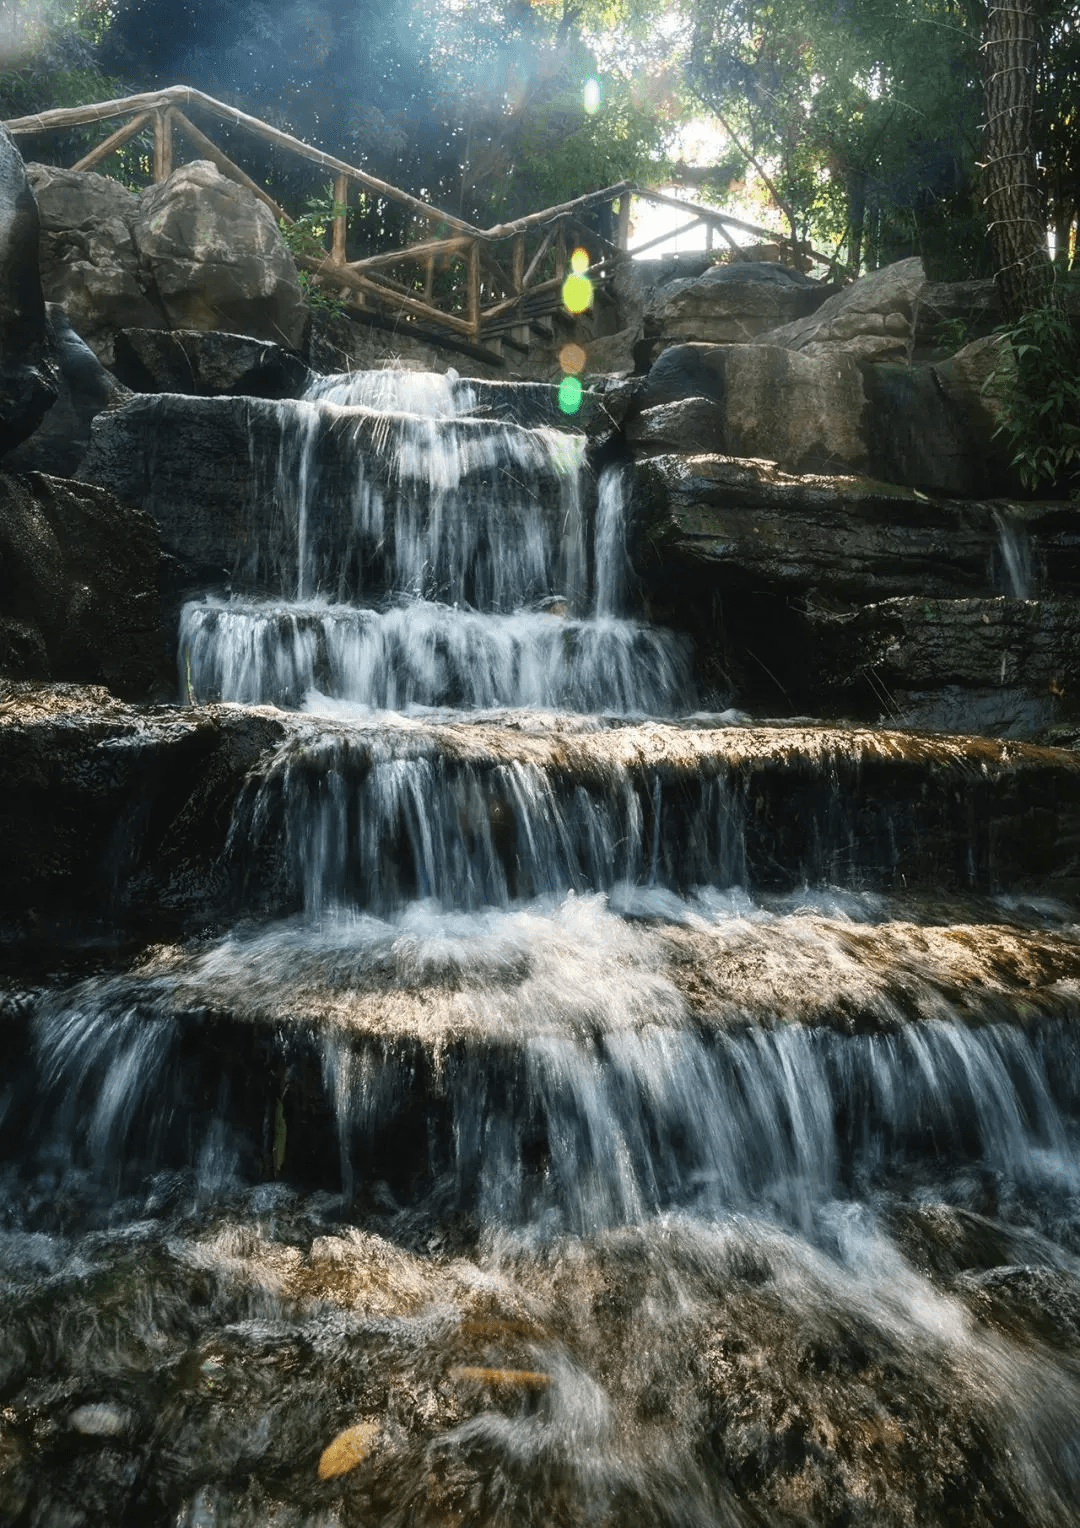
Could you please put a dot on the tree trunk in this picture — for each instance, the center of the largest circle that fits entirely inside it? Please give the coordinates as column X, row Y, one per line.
column 1014, row 211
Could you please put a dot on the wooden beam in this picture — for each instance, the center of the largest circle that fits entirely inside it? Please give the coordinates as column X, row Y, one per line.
column 344, row 275
column 534, row 263
column 473, row 304
column 424, row 251
column 114, row 141
column 504, row 230
column 210, row 150
column 341, row 196
column 721, row 219
column 162, row 145
column 662, row 238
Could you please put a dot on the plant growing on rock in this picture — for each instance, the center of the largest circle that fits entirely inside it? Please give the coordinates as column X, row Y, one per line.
column 1039, row 393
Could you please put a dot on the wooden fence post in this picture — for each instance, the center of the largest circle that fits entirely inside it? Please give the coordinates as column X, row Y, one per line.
column 474, row 289
column 341, row 196
column 162, row 145
column 622, row 234
column 520, row 332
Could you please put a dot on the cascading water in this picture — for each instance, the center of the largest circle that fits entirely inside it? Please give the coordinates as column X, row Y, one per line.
column 462, row 580
column 585, row 1147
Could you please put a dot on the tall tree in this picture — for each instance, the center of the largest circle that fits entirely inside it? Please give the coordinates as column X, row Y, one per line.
column 1015, row 206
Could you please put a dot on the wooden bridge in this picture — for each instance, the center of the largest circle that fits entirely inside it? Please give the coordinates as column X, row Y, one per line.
column 482, row 287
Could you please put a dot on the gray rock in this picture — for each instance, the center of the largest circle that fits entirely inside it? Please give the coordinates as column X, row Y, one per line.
column 85, row 389
column 871, row 320
column 207, row 364
column 89, row 262
column 28, row 385
column 804, row 413
column 848, row 537
column 78, row 586
column 929, row 427
column 216, row 258
column 730, row 304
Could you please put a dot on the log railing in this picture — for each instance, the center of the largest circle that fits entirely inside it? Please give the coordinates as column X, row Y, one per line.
column 482, row 285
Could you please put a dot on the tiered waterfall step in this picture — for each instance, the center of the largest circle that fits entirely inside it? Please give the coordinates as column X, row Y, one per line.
column 152, row 819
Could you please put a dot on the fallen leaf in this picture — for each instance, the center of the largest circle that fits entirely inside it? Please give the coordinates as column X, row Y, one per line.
column 347, row 1450
column 526, row 1378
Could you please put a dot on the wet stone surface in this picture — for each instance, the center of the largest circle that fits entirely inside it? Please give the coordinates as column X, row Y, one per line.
column 453, row 1083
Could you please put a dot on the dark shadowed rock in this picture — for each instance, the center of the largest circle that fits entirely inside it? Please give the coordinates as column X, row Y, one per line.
column 85, row 389
column 834, row 595
column 851, row 536
column 997, row 665
column 220, row 474
column 27, row 380
column 207, row 364
column 78, row 586
column 935, row 426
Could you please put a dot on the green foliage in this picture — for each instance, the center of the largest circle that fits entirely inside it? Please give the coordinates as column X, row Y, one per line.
column 861, row 117
column 306, row 235
column 1041, row 399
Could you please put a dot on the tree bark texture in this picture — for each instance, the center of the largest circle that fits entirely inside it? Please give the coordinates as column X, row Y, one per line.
column 1013, row 202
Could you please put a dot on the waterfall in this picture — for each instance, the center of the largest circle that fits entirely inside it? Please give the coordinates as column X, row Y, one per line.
column 567, row 1108
column 1015, row 551
column 473, row 593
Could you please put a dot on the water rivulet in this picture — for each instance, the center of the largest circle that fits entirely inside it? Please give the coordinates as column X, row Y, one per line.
column 543, row 1102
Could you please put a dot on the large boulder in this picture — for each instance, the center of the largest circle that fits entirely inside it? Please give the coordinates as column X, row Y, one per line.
column 195, row 252
column 936, row 426
column 27, row 379
column 822, row 409
column 871, row 320
column 730, row 304
column 78, row 586
column 804, row 413
column 89, row 261
column 217, row 259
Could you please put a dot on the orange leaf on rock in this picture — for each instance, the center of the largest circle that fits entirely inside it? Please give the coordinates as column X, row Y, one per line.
column 347, row 1450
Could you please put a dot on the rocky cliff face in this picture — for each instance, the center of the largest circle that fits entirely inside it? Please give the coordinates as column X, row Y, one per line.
column 27, row 375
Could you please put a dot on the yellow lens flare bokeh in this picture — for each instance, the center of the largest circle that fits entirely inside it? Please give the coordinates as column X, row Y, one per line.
column 578, row 289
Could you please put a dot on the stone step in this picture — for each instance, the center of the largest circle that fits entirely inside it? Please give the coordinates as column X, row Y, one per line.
column 157, row 820
column 589, row 1053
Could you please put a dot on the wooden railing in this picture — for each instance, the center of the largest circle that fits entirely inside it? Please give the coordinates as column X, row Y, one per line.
column 483, row 285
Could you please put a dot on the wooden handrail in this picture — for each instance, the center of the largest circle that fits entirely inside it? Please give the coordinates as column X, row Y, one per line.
column 158, row 101
column 526, row 296
column 184, row 95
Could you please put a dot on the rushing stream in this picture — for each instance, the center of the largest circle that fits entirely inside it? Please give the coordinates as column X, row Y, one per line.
column 582, row 1146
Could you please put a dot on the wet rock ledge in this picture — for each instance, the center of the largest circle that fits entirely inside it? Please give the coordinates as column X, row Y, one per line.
column 119, row 817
